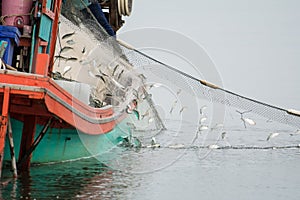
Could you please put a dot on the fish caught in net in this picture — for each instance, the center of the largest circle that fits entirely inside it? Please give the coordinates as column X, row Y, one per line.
column 209, row 91
column 120, row 54
column 87, row 54
column 116, row 73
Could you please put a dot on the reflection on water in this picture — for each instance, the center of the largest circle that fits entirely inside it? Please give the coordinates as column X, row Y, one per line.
column 53, row 181
column 175, row 173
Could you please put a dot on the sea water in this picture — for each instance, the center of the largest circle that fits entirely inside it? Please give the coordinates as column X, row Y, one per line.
column 249, row 167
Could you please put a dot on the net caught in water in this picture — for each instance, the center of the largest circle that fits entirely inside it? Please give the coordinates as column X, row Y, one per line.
column 97, row 52
column 124, row 54
column 213, row 93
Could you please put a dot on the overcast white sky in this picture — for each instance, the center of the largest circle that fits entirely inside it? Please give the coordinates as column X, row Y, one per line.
column 255, row 44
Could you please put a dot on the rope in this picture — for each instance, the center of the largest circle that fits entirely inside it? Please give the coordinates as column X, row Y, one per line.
column 219, row 95
column 14, row 15
column 227, row 147
column 203, row 82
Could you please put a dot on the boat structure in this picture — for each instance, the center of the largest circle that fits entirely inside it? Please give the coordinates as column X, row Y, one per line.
column 66, row 89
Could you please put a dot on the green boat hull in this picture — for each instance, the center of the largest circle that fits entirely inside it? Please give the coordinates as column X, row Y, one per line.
column 59, row 145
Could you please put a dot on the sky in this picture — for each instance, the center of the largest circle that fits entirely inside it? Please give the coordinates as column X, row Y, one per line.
column 254, row 45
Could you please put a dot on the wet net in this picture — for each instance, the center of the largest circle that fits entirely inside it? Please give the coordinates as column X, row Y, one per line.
column 211, row 92
column 122, row 54
column 86, row 53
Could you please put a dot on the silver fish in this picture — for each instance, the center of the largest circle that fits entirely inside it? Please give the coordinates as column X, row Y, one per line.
column 115, row 69
column 65, row 49
column 67, row 35
column 272, row 135
column 70, row 42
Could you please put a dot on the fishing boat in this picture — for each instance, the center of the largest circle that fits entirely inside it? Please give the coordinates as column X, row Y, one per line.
column 47, row 116
column 70, row 90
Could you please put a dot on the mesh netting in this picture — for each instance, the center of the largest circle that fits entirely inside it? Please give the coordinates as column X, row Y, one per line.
column 211, row 92
column 194, row 86
column 95, row 53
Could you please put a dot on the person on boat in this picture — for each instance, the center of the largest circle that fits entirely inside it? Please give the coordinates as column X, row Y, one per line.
column 132, row 108
column 95, row 8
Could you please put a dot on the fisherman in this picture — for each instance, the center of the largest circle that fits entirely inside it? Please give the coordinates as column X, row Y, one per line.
column 132, row 108
column 95, row 8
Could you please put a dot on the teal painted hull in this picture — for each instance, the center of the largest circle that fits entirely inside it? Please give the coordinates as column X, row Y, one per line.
column 60, row 145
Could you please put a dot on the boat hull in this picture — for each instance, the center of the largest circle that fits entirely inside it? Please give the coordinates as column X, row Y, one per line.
column 67, row 144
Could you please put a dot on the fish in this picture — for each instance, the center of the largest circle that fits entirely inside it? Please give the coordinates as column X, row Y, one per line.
column 297, row 132
column 118, row 84
column 142, row 76
column 136, row 113
column 94, row 62
column 213, row 146
column 173, row 106
column 136, row 93
column 101, row 77
column 131, row 125
column 202, row 119
column 202, row 109
column 203, row 128
column 119, row 76
column 67, row 35
column 91, row 74
column 223, row 135
column 249, row 121
column 153, row 141
column 151, row 119
column 72, row 59
column 83, row 50
column 65, row 49
column 182, row 109
column 154, row 146
column 102, row 74
column 66, row 58
column 66, row 69
column 146, row 113
column 99, row 66
column 176, row 146
column 115, row 69
column 156, row 85
column 70, row 42
column 246, row 120
column 178, row 92
column 272, row 135
column 217, row 126
column 61, row 57
column 85, row 62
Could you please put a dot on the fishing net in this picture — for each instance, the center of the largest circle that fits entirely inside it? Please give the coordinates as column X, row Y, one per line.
column 85, row 53
column 119, row 53
column 171, row 102
column 213, row 93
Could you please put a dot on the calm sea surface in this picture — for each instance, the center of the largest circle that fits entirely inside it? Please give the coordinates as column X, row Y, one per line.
column 253, row 169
